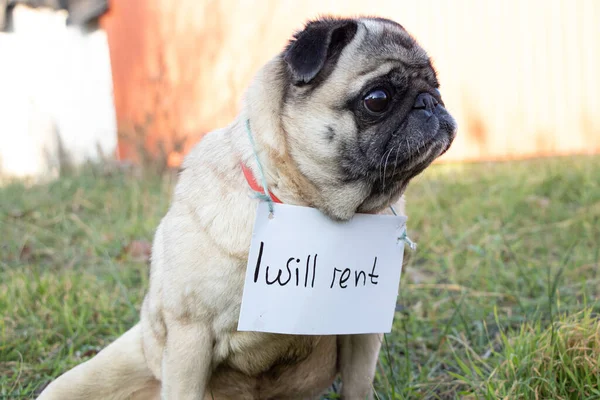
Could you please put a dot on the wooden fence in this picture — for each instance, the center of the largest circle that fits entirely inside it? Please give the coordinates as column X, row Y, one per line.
column 521, row 77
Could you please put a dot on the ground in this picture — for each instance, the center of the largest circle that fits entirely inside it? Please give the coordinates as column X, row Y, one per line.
column 498, row 301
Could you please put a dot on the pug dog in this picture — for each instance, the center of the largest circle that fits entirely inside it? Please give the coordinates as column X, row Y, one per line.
column 343, row 118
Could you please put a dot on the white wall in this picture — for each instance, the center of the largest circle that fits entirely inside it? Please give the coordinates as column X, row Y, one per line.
column 55, row 87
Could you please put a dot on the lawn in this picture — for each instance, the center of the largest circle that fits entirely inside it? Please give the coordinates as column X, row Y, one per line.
column 498, row 301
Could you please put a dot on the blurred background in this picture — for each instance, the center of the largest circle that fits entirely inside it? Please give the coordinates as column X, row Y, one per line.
column 144, row 80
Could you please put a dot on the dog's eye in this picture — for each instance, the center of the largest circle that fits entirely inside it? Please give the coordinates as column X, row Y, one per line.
column 377, row 101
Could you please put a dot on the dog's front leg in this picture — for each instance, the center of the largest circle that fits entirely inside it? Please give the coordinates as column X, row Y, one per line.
column 186, row 364
column 358, row 359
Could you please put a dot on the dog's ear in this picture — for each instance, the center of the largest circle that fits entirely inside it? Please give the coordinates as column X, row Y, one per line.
column 311, row 48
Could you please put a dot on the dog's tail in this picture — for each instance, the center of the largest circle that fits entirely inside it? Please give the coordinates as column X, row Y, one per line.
column 118, row 372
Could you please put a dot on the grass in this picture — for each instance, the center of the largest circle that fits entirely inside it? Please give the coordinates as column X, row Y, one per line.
column 499, row 300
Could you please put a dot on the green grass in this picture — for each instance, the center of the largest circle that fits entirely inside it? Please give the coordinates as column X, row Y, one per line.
column 498, row 301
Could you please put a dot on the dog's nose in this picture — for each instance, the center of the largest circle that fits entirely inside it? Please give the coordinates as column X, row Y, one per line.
column 425, row 101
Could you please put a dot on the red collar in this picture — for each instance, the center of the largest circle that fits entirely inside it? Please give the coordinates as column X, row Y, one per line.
column 254, row 185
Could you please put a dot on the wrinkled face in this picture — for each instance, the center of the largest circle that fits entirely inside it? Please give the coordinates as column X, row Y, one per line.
column 362, row 111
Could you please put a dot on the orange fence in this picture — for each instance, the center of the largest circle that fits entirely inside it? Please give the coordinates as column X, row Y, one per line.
column 521, row 77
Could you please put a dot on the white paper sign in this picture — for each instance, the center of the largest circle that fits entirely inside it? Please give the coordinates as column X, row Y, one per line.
column 310, row 275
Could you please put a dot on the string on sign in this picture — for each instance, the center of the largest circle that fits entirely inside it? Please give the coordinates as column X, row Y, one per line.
column 262, row 196
column 404, row 238
column 265, row 196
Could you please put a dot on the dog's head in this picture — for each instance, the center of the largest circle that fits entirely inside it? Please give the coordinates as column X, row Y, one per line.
column 360, row 111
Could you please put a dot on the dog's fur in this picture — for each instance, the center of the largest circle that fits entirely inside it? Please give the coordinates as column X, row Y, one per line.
column 320, row 148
